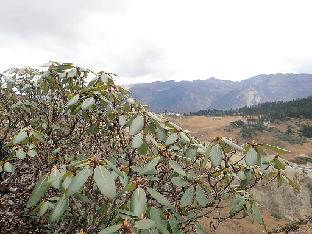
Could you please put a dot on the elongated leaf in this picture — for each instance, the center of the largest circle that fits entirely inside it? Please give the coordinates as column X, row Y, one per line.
column 177, row 168
column 145, row 224
column 8, row 167
column 104, row 182
column 138, row 202
column 73, row 100
column 216, row 155
column 160, row 134
column 171, row 139
column 178, row 181
column 187, row 198
column 150, row 166
column 32, row 153
column 275, row 149
column 237, row 205
column 199, row 229
column 279, row 164
column 137, row 141
column 68, row 178
column 137, row 125
column 159, row 197
column 190, row 153
column 78, row 181
column 251, row 157
column 111, row 229
column 257, row 214
column 59, row 209
column 232, row 144
column 201, row 196
column 20, row 153
column 87, row 103
column 184, row 138
column 112, row 166
column 44, row 206
column 55, row 178
column 20, row 137
column 41, row 187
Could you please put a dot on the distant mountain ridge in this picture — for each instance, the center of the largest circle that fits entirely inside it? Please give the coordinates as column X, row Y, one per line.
column 189, row 96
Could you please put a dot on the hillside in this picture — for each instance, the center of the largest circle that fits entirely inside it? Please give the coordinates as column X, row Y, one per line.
column 187, row 96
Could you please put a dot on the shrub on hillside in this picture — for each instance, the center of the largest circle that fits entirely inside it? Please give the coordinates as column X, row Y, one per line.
column 306, row 131
column 101, row 162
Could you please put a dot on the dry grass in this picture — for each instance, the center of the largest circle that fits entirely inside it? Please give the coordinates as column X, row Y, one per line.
column 207, row 128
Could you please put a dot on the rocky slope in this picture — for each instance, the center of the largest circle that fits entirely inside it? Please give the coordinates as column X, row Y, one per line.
column 186, row 96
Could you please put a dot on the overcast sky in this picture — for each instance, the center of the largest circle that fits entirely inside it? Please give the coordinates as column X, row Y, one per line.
column 147, row 40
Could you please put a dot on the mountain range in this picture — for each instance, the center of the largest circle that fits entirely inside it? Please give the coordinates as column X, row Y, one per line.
column 188, row 96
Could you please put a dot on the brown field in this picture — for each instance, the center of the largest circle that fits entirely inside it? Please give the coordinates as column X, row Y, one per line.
column 207, row 128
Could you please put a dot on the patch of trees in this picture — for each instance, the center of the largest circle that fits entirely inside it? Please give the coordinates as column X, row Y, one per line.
column 271, row 111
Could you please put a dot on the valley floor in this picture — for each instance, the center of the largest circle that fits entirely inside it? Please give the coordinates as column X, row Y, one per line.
column 207, row 128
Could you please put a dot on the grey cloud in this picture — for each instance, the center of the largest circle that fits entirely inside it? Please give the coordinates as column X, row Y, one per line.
column 32, row 18
column 142, row 58
column 57, row 26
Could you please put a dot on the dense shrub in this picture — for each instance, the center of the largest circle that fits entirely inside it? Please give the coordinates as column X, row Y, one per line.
column 306, row 131
column 103, row 163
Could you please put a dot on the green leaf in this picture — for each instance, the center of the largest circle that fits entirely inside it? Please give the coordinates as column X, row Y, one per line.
column 8, row 167
column 145, row 224
column 232, row 144
column 160, row 134
column 241, row 175
column 78, row 181
column 216, row 155
column 41, row 187
column 137, row 125
column 237, row 205
column 278, row 164
column 159, row 197
column 187, row 198
column 190, row 153
column 178, row 181
column 20, row 153
column 20, row 137
column 201, row 196
column 111, row 229
column 59, row 209
column 115, row 169
column 32, row 153
column 67, row 180
column 275, row 149
column 73, row 100
column 184, row 138
column 105, row 182
column 199, row 229
column 137, row 141
column 251, row 157
column 257, row 214
column 171, row 139
column 55, row 178
column 177, row 168
column 150, row 166
column 44, row 206
column 138, row 202
column 87, row 103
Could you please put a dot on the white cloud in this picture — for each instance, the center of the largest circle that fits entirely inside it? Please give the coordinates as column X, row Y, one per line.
column 147, row 40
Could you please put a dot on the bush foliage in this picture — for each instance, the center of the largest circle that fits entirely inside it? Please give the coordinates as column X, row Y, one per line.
column 104, row 163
